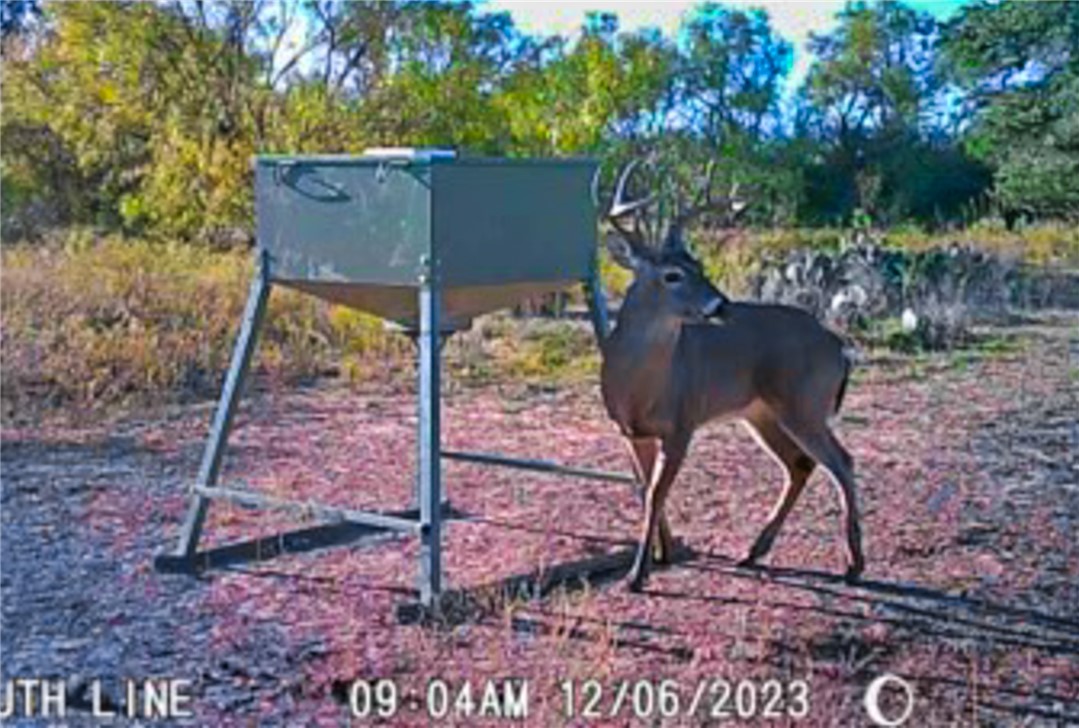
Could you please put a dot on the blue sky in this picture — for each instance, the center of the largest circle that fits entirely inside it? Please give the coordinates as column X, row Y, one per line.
column 793, row 20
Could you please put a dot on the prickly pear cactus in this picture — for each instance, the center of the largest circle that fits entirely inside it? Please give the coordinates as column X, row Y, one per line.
column 938, row 292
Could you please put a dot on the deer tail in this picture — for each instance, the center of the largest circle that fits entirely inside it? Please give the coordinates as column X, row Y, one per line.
column 850, row 356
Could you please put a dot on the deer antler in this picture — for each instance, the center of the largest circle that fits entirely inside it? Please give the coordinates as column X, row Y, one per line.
column 621, row 208
column 703, row 202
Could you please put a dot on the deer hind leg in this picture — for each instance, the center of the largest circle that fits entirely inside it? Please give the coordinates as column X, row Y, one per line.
column 798, row 467
column 674, row 452
column 818, row 441
column 645, row 451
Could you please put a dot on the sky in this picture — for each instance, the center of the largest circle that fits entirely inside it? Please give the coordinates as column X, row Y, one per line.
column 793, row 20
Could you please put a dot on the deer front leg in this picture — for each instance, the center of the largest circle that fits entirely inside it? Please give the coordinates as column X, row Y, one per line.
column 645, row 451
column 673, row 451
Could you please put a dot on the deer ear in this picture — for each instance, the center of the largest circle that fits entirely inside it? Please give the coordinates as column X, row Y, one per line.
column 622, row 252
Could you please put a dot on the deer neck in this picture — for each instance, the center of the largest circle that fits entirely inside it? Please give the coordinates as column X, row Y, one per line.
column 638, row 360
column 643, row 339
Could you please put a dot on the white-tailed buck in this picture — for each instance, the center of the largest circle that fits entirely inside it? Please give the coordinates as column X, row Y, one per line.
column 683, row 354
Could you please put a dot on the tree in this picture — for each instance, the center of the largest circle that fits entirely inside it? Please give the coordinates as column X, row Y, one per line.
column 731, row 73
column 147, row 111
column 609, row 85
column 447, row 64
column 874, row 72
column 729, row 90
column 868, row 85
column 874, row 100
column 1018, row 63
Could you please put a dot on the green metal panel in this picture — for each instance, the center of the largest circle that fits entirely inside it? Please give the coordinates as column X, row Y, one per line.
column 355, row 230
column 511, row 221
column 326, row 220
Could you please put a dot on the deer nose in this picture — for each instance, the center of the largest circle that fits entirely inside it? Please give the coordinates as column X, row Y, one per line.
column 713, row 308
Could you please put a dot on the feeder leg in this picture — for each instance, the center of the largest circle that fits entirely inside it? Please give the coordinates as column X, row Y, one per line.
column 429, row 456
column 226, row 407
column 597, row 301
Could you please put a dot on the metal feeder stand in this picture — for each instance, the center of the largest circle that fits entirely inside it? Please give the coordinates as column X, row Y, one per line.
column 426, row 241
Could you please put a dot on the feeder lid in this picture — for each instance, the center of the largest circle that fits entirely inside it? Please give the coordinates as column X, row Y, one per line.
column 415, row 154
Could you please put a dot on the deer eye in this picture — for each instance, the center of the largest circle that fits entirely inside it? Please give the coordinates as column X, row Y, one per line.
column 673, row 276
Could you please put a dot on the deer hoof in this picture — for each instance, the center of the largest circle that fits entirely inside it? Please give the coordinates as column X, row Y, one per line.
column 635, row 583
column 853, row 574
column 755, row 554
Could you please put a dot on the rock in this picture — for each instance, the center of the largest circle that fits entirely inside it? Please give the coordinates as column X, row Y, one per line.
column 909, row 320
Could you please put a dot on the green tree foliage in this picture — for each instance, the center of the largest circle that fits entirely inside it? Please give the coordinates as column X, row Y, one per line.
column 143, row 116
column 572, row 100
column 447, row 64
column 875, row 104
column 864, row 96
column 144, row 111
column 729, row 90
column 874, row 71
column 732, row 71
column 1018, row 63
column 713, row 96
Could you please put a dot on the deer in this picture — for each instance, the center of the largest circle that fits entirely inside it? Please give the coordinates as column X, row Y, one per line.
column 683, row 354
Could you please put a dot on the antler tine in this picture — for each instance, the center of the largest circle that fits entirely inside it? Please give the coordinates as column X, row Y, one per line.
column 738, row 204
column 702, row 203
column 704, row 194
column 620, row 208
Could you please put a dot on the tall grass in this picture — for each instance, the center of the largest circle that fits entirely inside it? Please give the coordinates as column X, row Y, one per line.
column 115, row 321
column 1045, row 244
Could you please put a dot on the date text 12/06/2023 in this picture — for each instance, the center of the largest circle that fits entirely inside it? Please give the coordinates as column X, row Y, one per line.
column 511, row 699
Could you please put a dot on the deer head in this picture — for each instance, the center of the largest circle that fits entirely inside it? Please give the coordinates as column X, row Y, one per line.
column 668, row 280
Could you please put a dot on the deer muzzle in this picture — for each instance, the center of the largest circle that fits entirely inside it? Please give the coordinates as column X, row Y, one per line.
column 714, row 308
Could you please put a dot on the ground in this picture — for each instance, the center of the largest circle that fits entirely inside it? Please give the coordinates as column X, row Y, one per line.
column 969, row 477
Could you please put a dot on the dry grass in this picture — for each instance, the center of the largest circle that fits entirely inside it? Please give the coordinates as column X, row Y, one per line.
column 119, row 322
column 1047, row 244
column 116, row 322
column 102, row 322
column 730, row 255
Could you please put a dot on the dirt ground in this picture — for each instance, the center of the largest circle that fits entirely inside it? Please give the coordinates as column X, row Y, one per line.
column 969, row 476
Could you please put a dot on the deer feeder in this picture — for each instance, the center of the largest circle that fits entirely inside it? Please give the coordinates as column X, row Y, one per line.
column 427, row 241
